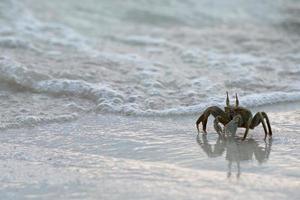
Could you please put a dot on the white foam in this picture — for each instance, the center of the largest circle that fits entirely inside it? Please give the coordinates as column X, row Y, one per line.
column 146, row 40
column 17, row 74
column 252, row 100
column 9, row 42
column 109, row 100
column 29, row 121
column 147, row 71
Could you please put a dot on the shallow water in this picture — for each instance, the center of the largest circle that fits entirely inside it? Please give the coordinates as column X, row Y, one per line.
column 132, row 158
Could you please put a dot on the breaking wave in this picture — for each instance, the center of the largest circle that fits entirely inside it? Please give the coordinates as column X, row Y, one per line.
column 110, row 100
column 158, row 59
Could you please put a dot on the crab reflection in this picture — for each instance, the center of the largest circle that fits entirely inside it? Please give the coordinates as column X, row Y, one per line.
column 235, row 150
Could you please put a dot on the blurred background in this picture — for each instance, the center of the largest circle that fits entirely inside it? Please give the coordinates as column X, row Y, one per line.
column 61, row 59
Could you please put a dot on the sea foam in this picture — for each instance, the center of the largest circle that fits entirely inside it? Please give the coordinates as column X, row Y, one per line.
column 168, row 62
column 108, row 100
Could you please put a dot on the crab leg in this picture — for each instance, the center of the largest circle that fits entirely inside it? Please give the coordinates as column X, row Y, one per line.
column 215, row 111
column 258, row 118
column 217, row 126
column 248, row 125
column 268, row 122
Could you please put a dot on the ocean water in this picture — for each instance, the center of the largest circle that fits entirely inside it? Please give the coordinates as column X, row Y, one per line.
column 99, row 98
column 61, row 60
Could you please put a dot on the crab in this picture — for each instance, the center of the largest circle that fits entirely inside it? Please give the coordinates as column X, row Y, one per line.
column 241, row 116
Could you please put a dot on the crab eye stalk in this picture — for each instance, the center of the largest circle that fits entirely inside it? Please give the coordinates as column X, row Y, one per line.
column 236, row 100
column 227, row 100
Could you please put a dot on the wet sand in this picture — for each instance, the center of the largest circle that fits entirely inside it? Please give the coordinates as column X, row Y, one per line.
column 118, row 157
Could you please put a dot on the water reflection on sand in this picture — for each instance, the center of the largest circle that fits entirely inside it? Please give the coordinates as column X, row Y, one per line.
column 236, row 151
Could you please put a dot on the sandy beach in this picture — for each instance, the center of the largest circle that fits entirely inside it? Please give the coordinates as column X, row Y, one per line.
column 116, row 157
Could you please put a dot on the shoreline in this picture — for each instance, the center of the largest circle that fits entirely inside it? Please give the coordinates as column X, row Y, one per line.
column 30, row 122
column 104, row 156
